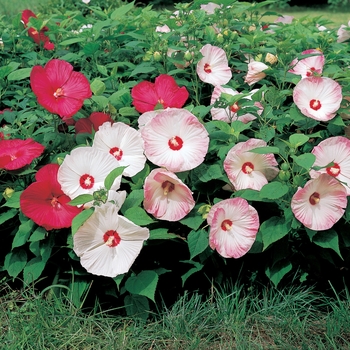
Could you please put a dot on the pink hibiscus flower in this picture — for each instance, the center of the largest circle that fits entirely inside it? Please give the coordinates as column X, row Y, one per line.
column 213, row 67
column 161, row 94
column 92, row 123
column 233, row 227
column 309, row 66
column 108, row 243
column 38, row 37
column 343, row 33
column 247, row 169
column 58, row 88
column 45, row 203
column 334, row 150
column 166, row 196
column 15, row 154
column 318, row 97
column 176, row 140
column 229, row 114
column 124, row 143
column 320, row 204
column 255, row 72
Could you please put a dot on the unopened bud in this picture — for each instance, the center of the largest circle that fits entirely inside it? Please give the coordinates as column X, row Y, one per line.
column 7, row 194
column 157, row 56
column 220, row 38
column 270, row 58
column 188, row 56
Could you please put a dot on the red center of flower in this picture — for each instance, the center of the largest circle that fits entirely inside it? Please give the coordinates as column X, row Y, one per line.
column 247, row 167
column 175, row 143
column 314, row 198
column 226, row 225
column 111, row 238
column 235, row 108
column 167, row 187
column 207, row 68
column 58, row 93
column 315, row 104
column 333, row 170
column 86, row 181
column 116, row 153
column 310, row 72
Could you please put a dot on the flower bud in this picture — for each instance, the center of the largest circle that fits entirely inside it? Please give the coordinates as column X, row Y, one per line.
column 220, row 38
column 157, row 56
column 7, row 194
column 188, row 56
column 270, row 58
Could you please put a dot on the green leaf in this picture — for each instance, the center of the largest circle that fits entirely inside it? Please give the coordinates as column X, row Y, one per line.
column 297, row 140
column 80, row 219
column 38, row 235
column 72, row 41
column 112, row 176
column 327, row 239
column 272, row 230
column 33, row 269
column 274, row 190
column 7, row 215
column 161, row 233
column 120, row 12
column 213, row 172
column 15, row 262
column 102, row 101
column 13, row 201
column 19, row 74
column 134, row 199
column 90, row 48
column 265, row 150
column 128, row 112
column 81, row 199
column 278, row 271
column 141, row 69
column 145, row 283
column 197, row 267
column 197, row 241
column 23, row 233
column 138, row 216
column 137, row 306
column 305, row 160
column 98, row 87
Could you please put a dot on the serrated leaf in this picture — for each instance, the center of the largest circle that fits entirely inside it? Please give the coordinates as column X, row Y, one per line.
column 297, row 140
column 137, row 306
column 19, row 74
column 7, row 215
column 134, row 199
column 81, row 199
column 273, row 190
column 265, row 150
column 327, row 239
column 98, row 87
column 145, row 283
column 23, row 233
column 80, row 219
column 111, row 177
column 197, row 241
column 272, row 230
column 38, row 235
column 305, row 160
column 197, row 267
column 138, row 216
column 33, row 269
column 15, row 262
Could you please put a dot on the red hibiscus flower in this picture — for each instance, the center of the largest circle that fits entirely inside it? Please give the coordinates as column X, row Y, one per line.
column 15, row 154
column 163, row 93
column 44, row 202
column 38, row 37
column 92, row 123
column 58, row 88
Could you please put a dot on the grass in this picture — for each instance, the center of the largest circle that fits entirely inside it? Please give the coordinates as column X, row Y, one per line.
column 297, row 318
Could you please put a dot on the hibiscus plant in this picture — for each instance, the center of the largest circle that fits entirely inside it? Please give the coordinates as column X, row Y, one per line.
column 146, row 153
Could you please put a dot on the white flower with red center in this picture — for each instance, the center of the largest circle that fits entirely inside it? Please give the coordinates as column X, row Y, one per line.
column 309, row 66
column 213, row 67
column 144, row 118
column 108, row 243
column 334, row 152
column 124, row 143
column 320, row 204
column 246, row 169
column 229, row 114
column 318, row 97
column 233, row 227
column 176, row 140
column 255, row 72
column 166, row 196
column 85, row 170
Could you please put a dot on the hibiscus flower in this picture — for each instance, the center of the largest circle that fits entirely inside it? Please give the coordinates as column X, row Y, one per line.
column 320, row 204
column 334, row 152
column 229, row 114
column 161, row 94
column 176, row 140
column 247, row 169
column 45, row 203
column 124, row 143
column 318, row 97
column 85, row 170
column 58, row 88
column 166, row 196
column 233, row 227
column 309, row 66
column 255, row 72
column 213, row 67
column 108, row 243
column 38, row 37
column 15, row 154
column 343, row 33
column 92, row 123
